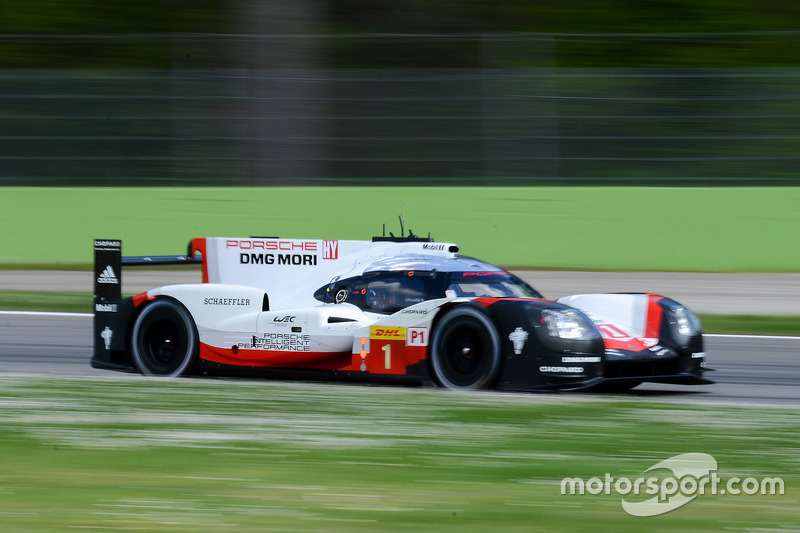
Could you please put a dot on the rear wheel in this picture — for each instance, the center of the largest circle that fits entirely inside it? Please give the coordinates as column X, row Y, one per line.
column 164, row 339
column 465, row 349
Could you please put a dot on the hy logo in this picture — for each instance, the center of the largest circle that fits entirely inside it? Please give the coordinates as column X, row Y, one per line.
column 518, row 337
column 108, row 276
column 330, row 249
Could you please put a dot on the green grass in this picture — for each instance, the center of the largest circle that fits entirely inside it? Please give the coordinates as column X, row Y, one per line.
column 751, row 324
column 213, row 455
column 67, row 302
column 728, row 229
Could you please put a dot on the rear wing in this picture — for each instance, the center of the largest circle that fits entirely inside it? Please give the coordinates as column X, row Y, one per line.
column 108, row 263
column 111, row 312
column 289, row 270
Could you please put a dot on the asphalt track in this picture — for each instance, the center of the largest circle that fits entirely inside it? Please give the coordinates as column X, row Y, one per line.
column 749, row 370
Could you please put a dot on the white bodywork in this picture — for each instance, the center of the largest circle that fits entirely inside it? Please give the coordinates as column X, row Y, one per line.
column 290, row 270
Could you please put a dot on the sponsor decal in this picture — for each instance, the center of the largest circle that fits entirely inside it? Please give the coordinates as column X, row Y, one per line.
column 648, row 342
column 690, row 475
column 281, row 342
column 330, row 249
column 105, row 308
column 659, row 350
column 278, row 259
column 107, row 245
column 106, row 334
column 108, row 276
column 562, row 369
column 387, row 332
column 417, row 337
column 226, row 301
column 272, row 245
column 433, row 247
column 284, row 319
column 581, row 359
column 518, row 338
column 610, row 331
column 415, row 311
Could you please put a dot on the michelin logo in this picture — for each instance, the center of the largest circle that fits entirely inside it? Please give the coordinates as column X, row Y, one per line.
column 518, row 338
column 106, row 335
column 108, row 276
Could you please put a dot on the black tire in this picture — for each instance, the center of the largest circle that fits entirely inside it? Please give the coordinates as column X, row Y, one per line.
column 164, row 339
column 465, row 349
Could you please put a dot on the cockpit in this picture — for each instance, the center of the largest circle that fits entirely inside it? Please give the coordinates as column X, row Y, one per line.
column 389, row 292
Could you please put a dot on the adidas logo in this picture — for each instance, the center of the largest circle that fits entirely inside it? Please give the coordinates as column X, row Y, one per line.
column 108, row 276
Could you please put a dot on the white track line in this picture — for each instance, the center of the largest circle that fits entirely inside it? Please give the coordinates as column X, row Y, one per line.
column 44, row 313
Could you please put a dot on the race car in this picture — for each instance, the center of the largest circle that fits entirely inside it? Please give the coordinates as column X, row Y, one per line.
column 403, row 309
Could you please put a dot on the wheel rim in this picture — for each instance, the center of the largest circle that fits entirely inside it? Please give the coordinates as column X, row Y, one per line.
column 466, row 350
column 463, row 350
column 163, row 349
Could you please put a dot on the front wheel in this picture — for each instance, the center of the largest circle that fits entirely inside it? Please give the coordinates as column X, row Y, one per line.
column 465, row 349
column 164, row 339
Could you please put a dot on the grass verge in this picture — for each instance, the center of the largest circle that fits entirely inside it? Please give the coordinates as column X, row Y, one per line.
column 212, row 455
column 751, row 324
column 66, row 302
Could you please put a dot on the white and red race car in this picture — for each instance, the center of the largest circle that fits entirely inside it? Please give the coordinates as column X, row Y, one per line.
column 400, row 309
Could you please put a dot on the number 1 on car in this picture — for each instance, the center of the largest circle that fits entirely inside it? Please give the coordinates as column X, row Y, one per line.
column 387, row 350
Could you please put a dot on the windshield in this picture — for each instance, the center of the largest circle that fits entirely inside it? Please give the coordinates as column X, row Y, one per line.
column 488, row 284
column 389, row 292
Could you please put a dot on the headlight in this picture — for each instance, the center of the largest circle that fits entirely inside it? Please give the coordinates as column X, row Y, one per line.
column 567, row 324
column 684, row 323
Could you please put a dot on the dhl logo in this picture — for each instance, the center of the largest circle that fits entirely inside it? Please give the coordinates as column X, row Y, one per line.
column 383, row 332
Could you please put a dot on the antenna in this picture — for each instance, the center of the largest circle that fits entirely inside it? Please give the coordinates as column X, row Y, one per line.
column 402, row 238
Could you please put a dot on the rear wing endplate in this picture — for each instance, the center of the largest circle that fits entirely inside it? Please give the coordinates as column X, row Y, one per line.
column 108, row 263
